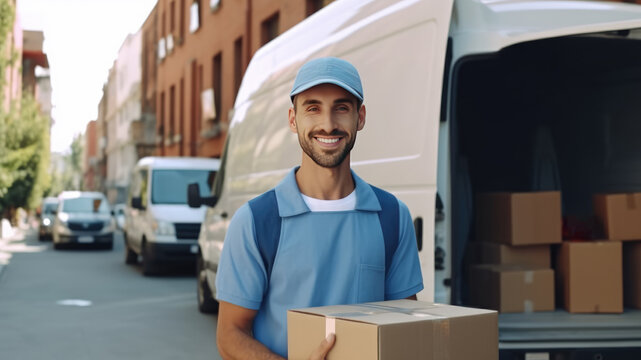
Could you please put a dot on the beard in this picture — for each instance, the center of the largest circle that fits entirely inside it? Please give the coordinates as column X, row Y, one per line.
column 327, row 159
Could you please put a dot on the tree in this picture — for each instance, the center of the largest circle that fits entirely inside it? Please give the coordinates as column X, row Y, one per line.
column 25, row 160
column 24, row 136
column 72, row 173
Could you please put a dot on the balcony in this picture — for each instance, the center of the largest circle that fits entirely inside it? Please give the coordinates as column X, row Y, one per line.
column 142, row 131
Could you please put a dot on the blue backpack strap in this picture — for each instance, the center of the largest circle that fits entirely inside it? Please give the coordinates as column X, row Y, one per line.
column 389, row 219
column 267, row 225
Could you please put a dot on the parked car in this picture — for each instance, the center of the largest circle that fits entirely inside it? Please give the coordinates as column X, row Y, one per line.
column 159, row 226
column 47, row 217
column 119, row 215
column 480, row 96
column 83, row 218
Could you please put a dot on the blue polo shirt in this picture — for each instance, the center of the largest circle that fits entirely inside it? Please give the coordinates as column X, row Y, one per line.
column 323, row 258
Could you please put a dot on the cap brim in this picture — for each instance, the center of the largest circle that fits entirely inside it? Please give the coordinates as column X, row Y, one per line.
column 317, row 82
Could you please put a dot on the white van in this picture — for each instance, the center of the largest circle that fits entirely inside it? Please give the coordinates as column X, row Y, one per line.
column 462, row 97
column 159, row 226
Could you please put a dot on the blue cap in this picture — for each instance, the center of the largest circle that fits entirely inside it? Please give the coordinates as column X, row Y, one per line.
column 328, row 70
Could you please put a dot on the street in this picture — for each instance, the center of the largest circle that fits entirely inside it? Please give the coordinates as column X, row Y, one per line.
column 87, row 304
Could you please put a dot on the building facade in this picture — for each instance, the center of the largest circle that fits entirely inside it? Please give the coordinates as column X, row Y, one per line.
column 123, row 109
column 203, row 48
column 144, row 131
column 100, row 170
column 90, row 158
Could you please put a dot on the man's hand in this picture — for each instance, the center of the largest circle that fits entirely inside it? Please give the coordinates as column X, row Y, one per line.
column 324, row 347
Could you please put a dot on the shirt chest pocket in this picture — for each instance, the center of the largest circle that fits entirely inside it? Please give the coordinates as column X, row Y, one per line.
column 371, row 283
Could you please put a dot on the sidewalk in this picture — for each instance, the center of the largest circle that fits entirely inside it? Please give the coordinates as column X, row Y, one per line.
column 8, row 236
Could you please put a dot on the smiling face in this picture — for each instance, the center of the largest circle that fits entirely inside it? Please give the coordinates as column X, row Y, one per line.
column 326, row 119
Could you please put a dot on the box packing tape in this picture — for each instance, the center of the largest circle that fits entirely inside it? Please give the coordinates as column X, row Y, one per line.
column 330, row 326
column 528, row 305
column 440, row 325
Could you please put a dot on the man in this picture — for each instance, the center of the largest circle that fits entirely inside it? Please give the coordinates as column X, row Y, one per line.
column 331, row 249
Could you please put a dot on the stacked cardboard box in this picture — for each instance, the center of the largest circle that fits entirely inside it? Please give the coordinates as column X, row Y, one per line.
column 589, row 276
column 399, row 329
column 620, row 217
column 518, row 219
column 513, row 288
column 514, row 233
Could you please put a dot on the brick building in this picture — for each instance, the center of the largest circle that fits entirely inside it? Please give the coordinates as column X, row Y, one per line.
column 203, row 49
column 90, row 157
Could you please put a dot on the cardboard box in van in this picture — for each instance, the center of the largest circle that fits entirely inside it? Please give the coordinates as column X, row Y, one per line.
column 537, row 256
column 512, row 288
column 620, row 215
column 632, row 274
column 400, row 329
column 527, row 218
column 589, row 276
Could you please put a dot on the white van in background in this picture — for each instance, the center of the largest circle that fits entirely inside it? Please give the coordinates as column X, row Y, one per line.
column 159, row 226
column 463, row 97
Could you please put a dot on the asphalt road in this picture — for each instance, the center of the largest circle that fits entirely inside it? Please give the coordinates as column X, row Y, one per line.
column 87, row 304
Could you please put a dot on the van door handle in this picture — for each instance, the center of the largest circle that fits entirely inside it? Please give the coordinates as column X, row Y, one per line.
column 418, row 230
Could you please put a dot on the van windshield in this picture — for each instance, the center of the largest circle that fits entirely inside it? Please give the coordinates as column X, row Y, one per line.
column 170, row 186
column 85, row 205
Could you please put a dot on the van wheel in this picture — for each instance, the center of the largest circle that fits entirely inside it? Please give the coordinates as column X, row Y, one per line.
column 131, row 257
column 148, row 267
column 206, row 302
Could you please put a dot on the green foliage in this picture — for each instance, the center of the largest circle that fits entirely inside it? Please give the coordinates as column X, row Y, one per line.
column 72, row 174
column 7, row 17
column 24, row 156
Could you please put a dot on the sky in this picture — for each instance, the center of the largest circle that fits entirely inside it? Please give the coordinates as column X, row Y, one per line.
column 82, row 39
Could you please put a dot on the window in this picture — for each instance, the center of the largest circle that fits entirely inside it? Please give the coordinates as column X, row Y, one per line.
column 181, row 107
column 194, row 107
column 217, row 73
column 238, row 64
column 315, row 5
column 181, row 23
column 199, row 92
column 163, row 24
column 172, row 109
column 164, row 183
column 85, row 204
column 162, row 50
column 162, row 115
column 172, row 17
column 194, row 17
column 269, row 28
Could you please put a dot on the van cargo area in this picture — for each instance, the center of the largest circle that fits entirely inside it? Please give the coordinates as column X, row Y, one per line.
column 560, row 114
